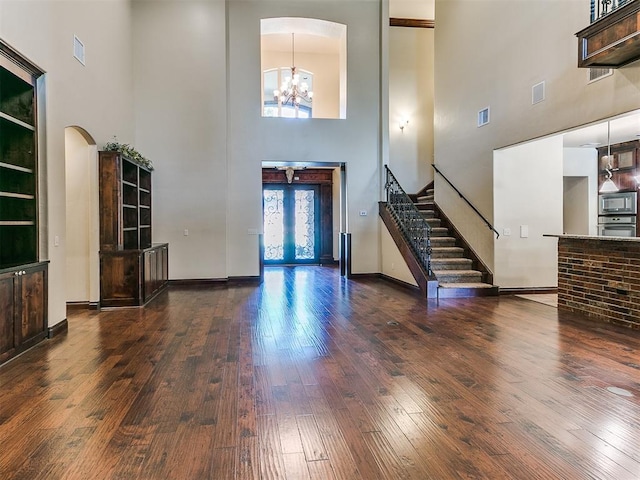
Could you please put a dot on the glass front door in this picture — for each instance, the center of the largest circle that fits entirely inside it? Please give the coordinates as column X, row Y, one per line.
column 291, row 224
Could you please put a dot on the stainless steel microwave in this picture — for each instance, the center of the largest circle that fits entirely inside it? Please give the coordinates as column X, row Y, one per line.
column 620, row 203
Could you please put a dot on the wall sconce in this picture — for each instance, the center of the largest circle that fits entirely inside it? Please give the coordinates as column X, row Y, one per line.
column 402, row 124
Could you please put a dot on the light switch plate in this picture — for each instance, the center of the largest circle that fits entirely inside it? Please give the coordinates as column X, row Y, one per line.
column 524, row 231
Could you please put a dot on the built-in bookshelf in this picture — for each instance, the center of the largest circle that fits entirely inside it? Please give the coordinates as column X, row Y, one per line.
column 132, row 269
column 18, row 168
column 23, row 276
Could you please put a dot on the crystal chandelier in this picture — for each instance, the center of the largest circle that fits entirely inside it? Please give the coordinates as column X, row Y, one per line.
column 292, row 89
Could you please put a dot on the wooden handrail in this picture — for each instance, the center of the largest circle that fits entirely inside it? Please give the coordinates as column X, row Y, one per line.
column 468, row 202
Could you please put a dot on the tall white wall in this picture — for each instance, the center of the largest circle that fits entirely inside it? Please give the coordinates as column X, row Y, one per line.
column 180, row 118
column 253, row 139
column 411, row 98
column 490, row 53
column 98, row 97
column 528, row 198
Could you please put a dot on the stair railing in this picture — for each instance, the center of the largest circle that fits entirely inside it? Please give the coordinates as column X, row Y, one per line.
column 487, row 222
column 412, row 224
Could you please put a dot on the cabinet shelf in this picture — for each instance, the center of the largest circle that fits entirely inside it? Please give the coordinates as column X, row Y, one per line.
column 15, row 167
column 14, row 120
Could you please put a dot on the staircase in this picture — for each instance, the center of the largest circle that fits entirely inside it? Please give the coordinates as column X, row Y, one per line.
column 453, row 264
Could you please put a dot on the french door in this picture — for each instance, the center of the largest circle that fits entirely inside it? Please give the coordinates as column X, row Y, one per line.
column 291, row 222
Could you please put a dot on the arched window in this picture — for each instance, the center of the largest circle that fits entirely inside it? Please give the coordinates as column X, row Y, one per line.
column 311, row 51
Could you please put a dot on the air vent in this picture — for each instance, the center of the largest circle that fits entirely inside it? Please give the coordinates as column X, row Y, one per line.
column 78, row 49
column 483, row 117
column 598, row 73
column 537, row 93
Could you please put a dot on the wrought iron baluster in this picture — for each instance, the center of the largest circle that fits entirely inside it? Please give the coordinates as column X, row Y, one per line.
column 412, row 224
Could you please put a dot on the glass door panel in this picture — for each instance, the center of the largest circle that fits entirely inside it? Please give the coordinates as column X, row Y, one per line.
column 273, row 213
column 304, row 225
column 291, row 224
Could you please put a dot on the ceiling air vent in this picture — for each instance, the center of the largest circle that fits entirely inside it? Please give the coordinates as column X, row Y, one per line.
column 537, row 93
column 78, row 49
column 483, row 117
column 598, row 73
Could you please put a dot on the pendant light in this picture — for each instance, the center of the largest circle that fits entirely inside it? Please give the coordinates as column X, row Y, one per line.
column 608, row 186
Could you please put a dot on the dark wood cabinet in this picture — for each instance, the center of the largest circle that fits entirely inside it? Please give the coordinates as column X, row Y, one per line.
column 18, row 161
column 133, row 277
column 129, row 272
column 623, row 164
column 23, row 308
column 23, row 279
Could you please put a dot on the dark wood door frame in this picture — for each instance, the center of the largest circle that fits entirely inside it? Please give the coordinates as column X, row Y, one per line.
column 324, row 179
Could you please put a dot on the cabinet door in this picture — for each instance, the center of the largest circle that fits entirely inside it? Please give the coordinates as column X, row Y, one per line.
column 31, row 292
column 7, row 315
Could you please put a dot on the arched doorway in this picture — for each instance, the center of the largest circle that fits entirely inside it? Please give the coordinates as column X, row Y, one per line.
column 82, row 227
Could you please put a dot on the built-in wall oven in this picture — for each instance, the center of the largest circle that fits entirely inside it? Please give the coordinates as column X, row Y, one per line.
column 617, row 214
column 613, row 226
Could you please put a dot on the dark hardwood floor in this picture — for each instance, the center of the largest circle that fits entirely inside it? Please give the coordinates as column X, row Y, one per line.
column 309, row 376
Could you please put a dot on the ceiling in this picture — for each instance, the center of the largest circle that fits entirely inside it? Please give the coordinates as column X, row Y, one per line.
column 622, row 129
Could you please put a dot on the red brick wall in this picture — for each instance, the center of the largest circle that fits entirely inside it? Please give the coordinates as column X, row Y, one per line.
column 600, row 278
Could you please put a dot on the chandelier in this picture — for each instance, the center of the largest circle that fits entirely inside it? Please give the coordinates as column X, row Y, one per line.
column 292, row 90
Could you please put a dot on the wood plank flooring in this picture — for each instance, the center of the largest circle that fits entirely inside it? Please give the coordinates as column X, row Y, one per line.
column 308, row 376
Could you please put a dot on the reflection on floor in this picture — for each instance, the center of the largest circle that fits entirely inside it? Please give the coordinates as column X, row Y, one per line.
column 550, row 299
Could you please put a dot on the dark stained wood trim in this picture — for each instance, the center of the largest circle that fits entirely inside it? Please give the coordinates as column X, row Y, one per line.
column 412, row 23
column 246, row 280
column 318, row 176
column 401, row 283
column 527, row 291
column 73, row 306
column 58, row 329
column 197, row 282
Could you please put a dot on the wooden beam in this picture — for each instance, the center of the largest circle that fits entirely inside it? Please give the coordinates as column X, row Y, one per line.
column 412, row 23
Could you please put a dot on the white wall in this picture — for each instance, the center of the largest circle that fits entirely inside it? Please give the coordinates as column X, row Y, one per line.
column 180, row 117
column 411, row 98
column 79, row 167
column 582, row 163
column 423, row 9
column 528, row 194
column 491, row 53
column 253, row 139
column 393, row 265
column 97, row 97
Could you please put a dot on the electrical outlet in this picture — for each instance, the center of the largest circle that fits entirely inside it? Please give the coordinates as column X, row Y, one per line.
column 506, row 232
column 186, row 232
column 363, row 213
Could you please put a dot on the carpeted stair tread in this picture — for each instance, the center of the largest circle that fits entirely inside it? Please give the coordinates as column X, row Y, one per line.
column 451, row 263
column 444, row 252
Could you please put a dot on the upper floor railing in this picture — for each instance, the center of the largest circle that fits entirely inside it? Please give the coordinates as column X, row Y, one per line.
column 601, row 8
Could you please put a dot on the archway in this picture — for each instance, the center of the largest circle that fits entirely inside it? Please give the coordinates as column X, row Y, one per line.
column 82, row 224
